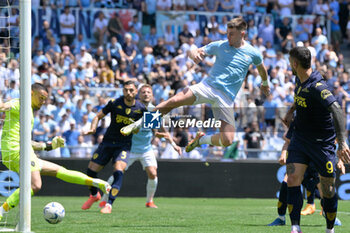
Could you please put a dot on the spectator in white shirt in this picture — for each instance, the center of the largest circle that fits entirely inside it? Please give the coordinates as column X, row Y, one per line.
column 164, row 5
column 193, row 25
column 67, row 23
column 100, row 28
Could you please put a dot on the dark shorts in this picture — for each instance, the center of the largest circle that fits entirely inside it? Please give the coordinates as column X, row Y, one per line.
column 322, row 155
column 104, row 153
column 270, row 122
column 311, row 177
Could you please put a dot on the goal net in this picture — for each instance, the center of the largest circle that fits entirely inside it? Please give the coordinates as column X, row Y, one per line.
column 11, row 85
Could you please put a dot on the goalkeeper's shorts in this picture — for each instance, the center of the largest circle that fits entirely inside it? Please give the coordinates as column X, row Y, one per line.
column 11, row 161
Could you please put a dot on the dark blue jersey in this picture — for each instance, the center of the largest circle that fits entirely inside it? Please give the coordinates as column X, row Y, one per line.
column 313, row 120
column 290, row 131
column 121, row 115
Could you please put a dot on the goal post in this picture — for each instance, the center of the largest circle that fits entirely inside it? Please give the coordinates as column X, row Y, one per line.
column 25, row 115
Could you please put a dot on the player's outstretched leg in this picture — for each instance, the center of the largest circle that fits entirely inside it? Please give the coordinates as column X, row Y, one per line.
column 116, row 185
column 10, row 203
column 104, row 198
column 127, row 130
column 151, row 190
column 76, row 177
column 281, row 207
column 194, row 142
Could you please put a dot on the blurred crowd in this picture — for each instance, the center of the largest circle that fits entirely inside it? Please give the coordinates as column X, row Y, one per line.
column 82, row 75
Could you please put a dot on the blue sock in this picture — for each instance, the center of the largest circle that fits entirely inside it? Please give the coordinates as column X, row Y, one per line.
column 93, row 174
column 295, row 203
column 282, row 199
column 330, row 206
column 116, row 185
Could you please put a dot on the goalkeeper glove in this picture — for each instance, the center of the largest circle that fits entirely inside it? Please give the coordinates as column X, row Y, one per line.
column 55, row 143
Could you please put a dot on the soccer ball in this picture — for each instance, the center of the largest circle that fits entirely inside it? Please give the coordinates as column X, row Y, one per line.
column 54, row 212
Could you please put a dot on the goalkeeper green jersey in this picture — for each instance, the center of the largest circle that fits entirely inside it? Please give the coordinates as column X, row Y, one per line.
column 10, row 132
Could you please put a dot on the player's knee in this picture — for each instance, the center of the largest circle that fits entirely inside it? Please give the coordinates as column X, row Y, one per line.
column 328, row 191
column 226, row 141
column 293, row 180
column 152, row 173
column 36, row 187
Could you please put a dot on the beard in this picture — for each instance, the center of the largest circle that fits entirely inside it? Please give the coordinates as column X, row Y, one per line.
column 294, row 72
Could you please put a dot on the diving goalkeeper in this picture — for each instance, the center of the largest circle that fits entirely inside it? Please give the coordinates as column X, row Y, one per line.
column 10, row 146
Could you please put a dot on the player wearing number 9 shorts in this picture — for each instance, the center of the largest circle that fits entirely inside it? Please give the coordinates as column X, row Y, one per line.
column 319, row 121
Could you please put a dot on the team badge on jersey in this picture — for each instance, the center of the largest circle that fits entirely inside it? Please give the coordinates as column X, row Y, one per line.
column 95, row 156
column 325, row 94
column 151, row 120
column 128, row 111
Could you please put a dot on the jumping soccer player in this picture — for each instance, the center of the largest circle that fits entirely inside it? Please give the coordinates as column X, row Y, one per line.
column 233, row 58
column 141, row 150
column 319, row 120
column 10, row 148
column 115, row 146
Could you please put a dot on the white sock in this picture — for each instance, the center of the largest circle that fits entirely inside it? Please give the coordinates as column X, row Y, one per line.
column 282, row 217
column 105, row 196
column 151, row 188
column 330, row 230
column 138, row 123
column 206, row 139
column 296, row 228
column 2, row 211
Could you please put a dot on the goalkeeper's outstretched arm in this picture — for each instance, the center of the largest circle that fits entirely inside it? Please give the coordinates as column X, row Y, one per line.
column 55, row 143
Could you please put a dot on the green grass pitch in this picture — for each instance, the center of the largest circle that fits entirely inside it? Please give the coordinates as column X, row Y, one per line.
column 175, row 215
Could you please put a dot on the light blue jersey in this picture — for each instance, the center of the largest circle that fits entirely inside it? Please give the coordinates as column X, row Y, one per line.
column 231, row 65
column 141, row 142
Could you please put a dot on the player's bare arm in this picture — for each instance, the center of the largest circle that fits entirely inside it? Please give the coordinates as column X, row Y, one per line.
column 289, row 115
column 263, row 74
column 339, row 125
column 283, row 157
column 94, row 123
column 197, row 55
column 167, row 136
column 4, row 107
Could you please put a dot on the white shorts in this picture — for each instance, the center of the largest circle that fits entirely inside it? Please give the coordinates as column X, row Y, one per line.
column 221, row 104
column 147, row 159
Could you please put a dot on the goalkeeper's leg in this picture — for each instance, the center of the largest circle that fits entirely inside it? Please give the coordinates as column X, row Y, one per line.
column 13, row 200
column 75, row 177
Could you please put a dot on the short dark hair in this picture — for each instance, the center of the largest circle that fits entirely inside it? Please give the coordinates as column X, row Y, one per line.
column 239, row 23
column 39, row 87
column 302, row 55
column 130, row 82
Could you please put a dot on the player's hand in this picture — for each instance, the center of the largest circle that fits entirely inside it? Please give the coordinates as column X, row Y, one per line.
column 265, row 90
column 57, row 142
column 341, row 167
column 162, row 135
column 178, row 149
column 282, row 159
column 344, row 152
column 198, row 56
